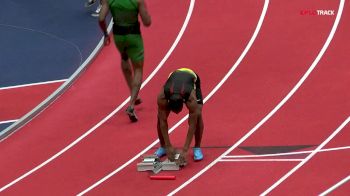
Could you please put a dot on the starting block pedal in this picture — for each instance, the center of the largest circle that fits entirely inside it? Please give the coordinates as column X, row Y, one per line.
column 149, row 162
column 168, row 165
column 153, row 163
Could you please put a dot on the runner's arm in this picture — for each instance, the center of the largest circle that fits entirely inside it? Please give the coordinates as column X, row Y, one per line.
column 163, row 120
column 101, row 20
column 145, row 17
column 193, row 112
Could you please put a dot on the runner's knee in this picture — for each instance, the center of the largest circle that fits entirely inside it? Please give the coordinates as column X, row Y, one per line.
column 125, row 56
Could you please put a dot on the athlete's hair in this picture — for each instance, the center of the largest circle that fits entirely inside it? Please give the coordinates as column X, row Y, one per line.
column 175, row 103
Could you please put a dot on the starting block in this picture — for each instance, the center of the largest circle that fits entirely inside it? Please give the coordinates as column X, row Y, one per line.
column 153, row 163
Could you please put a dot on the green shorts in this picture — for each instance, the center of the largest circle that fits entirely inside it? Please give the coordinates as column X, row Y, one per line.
column 130, row 46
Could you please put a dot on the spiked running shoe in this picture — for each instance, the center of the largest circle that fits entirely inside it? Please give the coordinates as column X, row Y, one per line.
column 197, row 154
column 131, row 113
column 160, row 152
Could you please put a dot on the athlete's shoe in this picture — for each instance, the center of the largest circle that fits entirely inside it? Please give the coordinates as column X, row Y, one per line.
column 89, row 3
column 197, row 154
column 97, row 11
column 131, row 113
column 160, row 152
column 138, row 101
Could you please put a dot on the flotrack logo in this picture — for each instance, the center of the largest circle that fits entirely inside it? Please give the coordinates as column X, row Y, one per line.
column 317, row 12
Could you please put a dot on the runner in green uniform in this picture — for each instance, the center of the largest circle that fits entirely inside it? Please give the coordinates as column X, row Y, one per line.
column 128, row 39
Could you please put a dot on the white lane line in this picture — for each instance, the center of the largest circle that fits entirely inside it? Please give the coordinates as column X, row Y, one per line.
column 183, row 28
column 290, row 94
column 259, row 160
column 250, row 43
column 340, row 183
column 33, row 84
column 7, row 121
column 75, row 46
column 285, row 154
column 49, row 100
column 324, row 143
column 28, row 85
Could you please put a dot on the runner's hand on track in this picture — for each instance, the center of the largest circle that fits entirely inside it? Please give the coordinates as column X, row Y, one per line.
column 170, row 151
column 182, row 159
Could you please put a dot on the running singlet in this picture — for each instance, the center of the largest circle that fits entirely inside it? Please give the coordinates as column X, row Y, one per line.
column 181, row 81
column 125, row 16
column 124, row 12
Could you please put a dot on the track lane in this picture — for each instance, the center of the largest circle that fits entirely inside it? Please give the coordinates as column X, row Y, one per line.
column 322, row 171
column 118, row 181
column 338, row 188
column 323, row 107
column 17, row 102
column 331, row 105
column 199, row 185
column 95, row 94
column 30, row 46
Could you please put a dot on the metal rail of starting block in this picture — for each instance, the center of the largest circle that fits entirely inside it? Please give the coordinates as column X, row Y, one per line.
column 153, row 163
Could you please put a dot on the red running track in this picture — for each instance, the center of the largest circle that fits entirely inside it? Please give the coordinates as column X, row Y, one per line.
column 89, row 100
column 274, row 64
column 308, row 118
column 17, row 102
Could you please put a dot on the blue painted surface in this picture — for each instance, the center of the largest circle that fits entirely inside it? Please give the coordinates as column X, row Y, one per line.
column 43, row 40
column 4, row 126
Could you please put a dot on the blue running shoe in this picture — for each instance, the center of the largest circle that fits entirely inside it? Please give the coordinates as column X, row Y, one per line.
column 197, row 154
column 160, row 152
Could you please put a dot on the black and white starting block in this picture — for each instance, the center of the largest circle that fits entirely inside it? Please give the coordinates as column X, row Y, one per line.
column 153, row 163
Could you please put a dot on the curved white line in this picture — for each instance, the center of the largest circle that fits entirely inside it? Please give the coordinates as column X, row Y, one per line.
column 239, row 60
column 284, row 154
column 268, row 116
column 49, row 35
column 183, row 28
column 324, row 143
column 7, row 121
column 334, row 28
column 335, row 186
column 33, row 84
